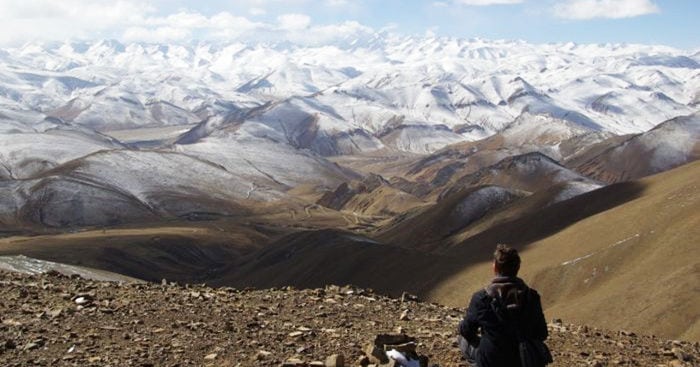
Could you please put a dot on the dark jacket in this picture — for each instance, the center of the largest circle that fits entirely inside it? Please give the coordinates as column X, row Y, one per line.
column 498, row 343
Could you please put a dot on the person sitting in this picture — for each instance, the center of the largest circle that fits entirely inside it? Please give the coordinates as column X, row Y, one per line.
column 501, row 315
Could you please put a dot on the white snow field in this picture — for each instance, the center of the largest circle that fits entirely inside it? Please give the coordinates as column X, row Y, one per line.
column 418, row 94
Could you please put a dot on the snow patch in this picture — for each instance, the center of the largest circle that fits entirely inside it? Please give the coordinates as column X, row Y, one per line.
column 573, row 189
column 576, row 260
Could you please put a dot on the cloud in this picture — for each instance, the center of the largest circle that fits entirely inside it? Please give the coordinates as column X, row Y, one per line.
column 139, row 21
column 102, row 13
column 337, row 3
column 294, row 22
column 226, row 20
column 487, row 2
column 294, row 27
column 431, row 32
column 159, row 34
column 612, row 9
column 345, row 32
column 38, row 20
column 184, row 25
column 257, row 11
column 181, row 20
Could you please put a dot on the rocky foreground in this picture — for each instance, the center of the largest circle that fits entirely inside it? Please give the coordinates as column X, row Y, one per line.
column 54, row 320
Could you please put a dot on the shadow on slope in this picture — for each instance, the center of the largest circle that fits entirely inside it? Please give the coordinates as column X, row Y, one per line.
column 316, row 258
column 540, row 222
column 183, row 254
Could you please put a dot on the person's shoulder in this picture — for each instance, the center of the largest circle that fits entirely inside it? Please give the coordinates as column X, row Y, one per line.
column 479, row 301
column 533, row 296
column 480, row 295
column 530, row 290
column 533, row 292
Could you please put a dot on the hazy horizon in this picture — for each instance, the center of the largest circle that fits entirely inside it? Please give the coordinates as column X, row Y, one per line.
column 316, row 22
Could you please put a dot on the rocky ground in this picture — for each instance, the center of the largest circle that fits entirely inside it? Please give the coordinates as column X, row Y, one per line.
column 54, row 320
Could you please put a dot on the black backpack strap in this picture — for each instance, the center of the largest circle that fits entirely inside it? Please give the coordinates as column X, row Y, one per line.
column 500, row 310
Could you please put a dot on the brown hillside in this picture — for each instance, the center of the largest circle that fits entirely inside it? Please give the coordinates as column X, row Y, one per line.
column 428, row 228
column 654, row 222
column 633, row 262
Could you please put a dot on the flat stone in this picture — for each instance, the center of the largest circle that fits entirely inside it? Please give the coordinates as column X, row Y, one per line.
column 680, row 354
column 394, row 339
column 404, row 348
column 262, row 354
column 82, row 300
column 55, row 312
column 31, row 346
column 375, row 354
column 293, row 362
column 335, row 360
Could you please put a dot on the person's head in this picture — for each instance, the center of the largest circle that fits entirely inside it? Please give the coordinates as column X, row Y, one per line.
column 506, row 261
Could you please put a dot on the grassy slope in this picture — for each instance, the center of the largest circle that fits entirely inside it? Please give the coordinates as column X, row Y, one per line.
column 638, row 266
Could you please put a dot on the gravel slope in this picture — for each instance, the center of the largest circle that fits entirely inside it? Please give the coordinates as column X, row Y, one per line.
column 54, row 320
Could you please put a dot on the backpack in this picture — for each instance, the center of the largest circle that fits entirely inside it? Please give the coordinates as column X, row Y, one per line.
column 509, row 303
column 508, row 300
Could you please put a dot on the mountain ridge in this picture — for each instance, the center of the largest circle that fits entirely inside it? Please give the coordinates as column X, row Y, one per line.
column 448, row 85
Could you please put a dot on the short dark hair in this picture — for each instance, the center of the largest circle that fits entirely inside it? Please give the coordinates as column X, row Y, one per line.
column 506, row 260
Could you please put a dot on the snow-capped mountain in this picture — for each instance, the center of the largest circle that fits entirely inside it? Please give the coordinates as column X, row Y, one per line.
column 668, row 145
column 412, row 94
column 211, row 127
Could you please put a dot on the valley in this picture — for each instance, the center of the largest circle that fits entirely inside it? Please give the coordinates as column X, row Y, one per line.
column 245, row 166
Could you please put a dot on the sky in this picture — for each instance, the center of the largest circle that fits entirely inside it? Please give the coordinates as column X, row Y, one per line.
column 318, row 22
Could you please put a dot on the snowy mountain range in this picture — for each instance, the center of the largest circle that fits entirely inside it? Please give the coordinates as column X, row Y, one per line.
column 410, row 94
column 171, row 130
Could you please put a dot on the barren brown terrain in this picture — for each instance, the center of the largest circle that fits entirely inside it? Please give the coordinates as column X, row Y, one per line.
column 54, row 320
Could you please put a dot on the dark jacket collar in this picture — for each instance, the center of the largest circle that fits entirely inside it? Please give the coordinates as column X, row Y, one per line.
column 502, row 282
column 500, row 279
